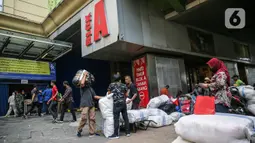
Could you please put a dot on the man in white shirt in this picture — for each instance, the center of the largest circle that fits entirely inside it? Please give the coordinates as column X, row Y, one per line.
column 12, row 106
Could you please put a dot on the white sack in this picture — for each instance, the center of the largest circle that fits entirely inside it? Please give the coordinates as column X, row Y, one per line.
column 176, row 116
column 155, row 112
column 129, row 106
column 214, row 128
column 251, row 108
column 106, row 106
column 247, row 92
column 137, row 115
column 180, row 140
column 108, row 126
column 157, row 101
column 160, row 121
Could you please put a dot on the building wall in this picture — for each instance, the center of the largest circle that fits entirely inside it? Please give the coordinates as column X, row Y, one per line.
column 32, row 10
column 143, row 24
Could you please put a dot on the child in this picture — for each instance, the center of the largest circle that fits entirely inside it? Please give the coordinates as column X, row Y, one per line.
column 12, row 106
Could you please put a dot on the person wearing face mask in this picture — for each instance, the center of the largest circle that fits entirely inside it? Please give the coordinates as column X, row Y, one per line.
column 219, row 85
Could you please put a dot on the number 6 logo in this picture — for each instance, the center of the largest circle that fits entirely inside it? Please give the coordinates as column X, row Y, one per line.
column 235, row 18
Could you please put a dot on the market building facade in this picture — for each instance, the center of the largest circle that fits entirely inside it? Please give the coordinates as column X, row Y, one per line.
column 161, row 49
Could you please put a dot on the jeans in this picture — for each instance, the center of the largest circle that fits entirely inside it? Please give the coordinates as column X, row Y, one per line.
column 117, row 109
column 88, row 113
column 39, row 108
column 46, row 107
column 66, row 106
column 221, row 108
column 53, row 109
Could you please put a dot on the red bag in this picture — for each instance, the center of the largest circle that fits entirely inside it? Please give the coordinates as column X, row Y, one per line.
column 204, row 105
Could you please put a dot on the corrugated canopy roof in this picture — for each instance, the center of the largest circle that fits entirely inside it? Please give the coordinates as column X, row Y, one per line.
column 23, row 46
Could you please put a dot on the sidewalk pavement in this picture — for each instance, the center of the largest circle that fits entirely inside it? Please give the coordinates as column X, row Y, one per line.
column 41, row 130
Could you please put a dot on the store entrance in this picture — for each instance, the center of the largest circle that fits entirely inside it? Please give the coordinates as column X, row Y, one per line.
column 196, row 71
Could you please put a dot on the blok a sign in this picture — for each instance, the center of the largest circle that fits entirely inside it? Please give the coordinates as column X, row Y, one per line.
column 99, row 28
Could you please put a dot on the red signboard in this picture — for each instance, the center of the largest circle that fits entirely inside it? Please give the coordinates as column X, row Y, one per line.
column 100, row 24
column 141, row 81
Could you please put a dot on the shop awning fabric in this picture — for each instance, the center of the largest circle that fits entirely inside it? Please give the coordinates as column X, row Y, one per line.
column 24, row 46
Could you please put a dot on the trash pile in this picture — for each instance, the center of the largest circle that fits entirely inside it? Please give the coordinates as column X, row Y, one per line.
column 248, row 93
column 218, row 128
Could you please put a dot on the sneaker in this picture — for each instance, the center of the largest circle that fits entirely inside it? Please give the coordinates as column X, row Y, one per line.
column 128, row 135
column 54, row 121
column 59, row 121
column 25, row 116
column 113, row 137
column 91, row 135
column 79, row 133
column 73, row 120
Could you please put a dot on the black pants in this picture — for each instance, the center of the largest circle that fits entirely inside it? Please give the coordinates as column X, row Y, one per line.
column 117, row 109
column 39, row 107
column 221, row 108
column 135, row 105
column 53, row 109
column 66, row 106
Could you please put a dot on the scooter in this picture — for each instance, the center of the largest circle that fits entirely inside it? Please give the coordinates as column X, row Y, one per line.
column 238, row 103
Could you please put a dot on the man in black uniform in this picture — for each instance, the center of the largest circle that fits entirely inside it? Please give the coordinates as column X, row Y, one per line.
column 133, row 93
column 119, row 91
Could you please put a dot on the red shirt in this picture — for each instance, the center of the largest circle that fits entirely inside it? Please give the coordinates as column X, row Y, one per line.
column 54, row 91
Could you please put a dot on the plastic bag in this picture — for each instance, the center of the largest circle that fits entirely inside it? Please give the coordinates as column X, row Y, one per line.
column 160, row 121
column 157, row 101
column 204, row 105
column 222, row 128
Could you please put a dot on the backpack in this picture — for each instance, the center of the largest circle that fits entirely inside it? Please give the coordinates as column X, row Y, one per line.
column 59, row 96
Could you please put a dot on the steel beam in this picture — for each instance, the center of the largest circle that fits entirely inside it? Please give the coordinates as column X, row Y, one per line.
column 45, row 52
column 6, row 43
column 29, row 46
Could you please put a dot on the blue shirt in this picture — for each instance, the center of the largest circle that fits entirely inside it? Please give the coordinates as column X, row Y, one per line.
column 47, row 93
column 40, row 98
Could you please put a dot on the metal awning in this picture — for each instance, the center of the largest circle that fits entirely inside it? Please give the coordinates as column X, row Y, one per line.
column 24, row 46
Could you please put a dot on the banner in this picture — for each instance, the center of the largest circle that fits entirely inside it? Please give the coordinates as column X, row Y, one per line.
column 26, row 69
column 141, row 80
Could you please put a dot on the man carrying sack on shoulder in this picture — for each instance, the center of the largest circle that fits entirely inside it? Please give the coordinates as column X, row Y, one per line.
column 87, row 107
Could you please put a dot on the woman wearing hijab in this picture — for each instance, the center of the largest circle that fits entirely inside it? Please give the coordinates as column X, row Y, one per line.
column 219, row 85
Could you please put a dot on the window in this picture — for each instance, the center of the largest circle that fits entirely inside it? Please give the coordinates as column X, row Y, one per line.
column 242, row 51
column 201, row 42
column 1, row 5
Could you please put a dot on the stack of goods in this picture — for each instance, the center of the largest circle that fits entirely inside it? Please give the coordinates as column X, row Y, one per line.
column 248, row 93
column 106, row 108
column 157, row 101
column 186, row 104
column 159, row 108
column 218, row 128
column 90, row 79
column 168, row 107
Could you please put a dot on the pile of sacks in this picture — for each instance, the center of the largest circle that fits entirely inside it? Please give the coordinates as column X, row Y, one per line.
column 218, row 128
column 248, row 93
column 159, row 117
column 162, row 119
